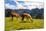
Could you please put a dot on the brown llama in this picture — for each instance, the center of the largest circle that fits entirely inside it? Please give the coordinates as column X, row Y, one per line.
column 28, row 16
column 14, row 14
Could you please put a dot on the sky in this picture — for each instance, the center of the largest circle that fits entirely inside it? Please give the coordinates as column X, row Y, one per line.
column 23, row 4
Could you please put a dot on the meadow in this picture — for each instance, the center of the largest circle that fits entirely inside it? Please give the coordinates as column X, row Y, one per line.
column 18, row 24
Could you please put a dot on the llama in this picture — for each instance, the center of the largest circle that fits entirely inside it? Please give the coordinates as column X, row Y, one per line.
column 14, row 14
column 28, row 16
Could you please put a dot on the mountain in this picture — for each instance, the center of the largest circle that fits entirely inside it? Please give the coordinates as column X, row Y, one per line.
column 35, row 13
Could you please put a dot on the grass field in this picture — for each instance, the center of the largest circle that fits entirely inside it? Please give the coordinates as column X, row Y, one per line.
column 18, row 24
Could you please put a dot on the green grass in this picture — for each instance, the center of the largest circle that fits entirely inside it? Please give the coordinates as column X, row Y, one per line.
column 17, row 24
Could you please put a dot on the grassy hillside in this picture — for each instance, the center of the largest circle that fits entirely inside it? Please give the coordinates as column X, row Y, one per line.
column 18, row 24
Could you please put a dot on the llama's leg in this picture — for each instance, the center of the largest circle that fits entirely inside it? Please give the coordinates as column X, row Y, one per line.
column 17, row 18
column 31, row 19
column 25, row 19
column 12, row 18
column 22, row 18
column 28, row 19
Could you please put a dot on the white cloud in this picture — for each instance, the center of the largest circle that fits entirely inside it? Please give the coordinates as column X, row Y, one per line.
column 31, row 0
column 8, row 6
column 40, row 5
column 19, row 6
column 36, row 5
column 29, row 5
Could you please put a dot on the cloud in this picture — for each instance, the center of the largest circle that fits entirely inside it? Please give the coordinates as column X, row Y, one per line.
column 8, row 6
column 35, row 5
column 38, row 5
column 30, row 0
column 29, row 5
